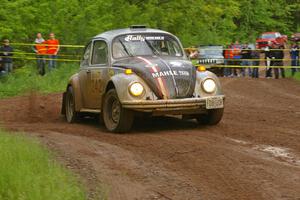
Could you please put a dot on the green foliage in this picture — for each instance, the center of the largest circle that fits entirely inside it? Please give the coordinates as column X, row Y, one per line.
column 76, row 21
column 25, row 79
column 27, row 171
column 195, row 22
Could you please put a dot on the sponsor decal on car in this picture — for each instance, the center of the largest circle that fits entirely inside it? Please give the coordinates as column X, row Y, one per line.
column 170, row 73
column 159, row 81
column 142, row 38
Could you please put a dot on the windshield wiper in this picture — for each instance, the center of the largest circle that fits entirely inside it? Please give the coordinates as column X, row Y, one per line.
column 154, row 50
column 124, row 47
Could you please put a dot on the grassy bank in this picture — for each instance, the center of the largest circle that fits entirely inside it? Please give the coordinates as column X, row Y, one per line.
column 28, row 172
column 26, row 78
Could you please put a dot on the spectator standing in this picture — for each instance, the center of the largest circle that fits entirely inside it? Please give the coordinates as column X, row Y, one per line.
column 246, row 56
column 295, row 57
column 6, row 53
column 281, row 63
column 236, row 57
column 40, row 49
column 255, row 56
column 1, row 67
column 52, row 50
column 277, row 60
column 228, row 55
column 268, row 57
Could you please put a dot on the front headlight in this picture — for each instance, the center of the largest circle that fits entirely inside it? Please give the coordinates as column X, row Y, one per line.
column 136, row 89
column 209, row 85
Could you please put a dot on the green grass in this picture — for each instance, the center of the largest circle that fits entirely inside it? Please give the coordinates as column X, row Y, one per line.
column 296, row 76
column 24, row 79
column 28, row 172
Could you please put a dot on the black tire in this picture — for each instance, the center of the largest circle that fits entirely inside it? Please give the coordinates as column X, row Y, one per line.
column 212, row 117
column 71, row 115
column 99, row 118
column 116, row 118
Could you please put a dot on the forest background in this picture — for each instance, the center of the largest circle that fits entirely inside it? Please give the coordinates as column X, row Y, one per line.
column 193, row 21
column 74, row 22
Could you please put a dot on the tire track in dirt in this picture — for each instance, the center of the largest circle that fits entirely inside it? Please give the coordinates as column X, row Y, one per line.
column 168, row 158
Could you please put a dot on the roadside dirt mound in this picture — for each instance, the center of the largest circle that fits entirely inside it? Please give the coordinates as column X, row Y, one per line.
column 254, row 153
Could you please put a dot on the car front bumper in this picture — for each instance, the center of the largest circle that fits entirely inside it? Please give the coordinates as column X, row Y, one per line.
column 176, row 106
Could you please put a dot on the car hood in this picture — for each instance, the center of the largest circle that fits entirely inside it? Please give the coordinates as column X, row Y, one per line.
column 168, row 77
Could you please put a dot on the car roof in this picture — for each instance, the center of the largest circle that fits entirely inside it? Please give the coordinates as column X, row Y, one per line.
column 110, row 35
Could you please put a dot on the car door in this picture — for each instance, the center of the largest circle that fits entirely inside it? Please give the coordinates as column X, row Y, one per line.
column 84, row 72
column 95, row 72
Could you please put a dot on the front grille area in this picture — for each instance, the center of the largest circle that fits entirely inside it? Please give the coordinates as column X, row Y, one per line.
column 210, row 61
column 207, row 61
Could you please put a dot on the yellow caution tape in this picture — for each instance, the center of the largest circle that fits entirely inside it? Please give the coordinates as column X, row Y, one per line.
column 251, row 59
column 45, row 58
column 25, row 53
column 232, row 59
column 235, row 50
column 192, row 48
column 252, row 66
column 61, row 45
column 199, row 64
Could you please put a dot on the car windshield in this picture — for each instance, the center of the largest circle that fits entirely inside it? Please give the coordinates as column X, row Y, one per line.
column 210, row 50
column 145, row 45
column 268, row 36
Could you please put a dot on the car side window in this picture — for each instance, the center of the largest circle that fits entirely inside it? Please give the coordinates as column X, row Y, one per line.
column 99, row 56
column 86, row 55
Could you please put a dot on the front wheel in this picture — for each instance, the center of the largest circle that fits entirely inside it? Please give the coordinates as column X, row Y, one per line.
column 116, row 118
column 212, row 117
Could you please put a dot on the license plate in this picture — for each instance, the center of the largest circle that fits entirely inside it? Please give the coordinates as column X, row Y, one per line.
column 214, row 102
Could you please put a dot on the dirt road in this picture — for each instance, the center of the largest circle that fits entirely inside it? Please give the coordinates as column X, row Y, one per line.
column 254, row 153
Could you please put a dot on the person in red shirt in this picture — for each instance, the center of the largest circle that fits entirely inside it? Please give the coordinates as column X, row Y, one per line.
column 40, row 48
column 52, row 50
column 228, row 56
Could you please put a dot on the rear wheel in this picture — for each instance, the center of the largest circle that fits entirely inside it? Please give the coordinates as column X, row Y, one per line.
column 212, row 117
column 116, row 118
column 71, row 114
